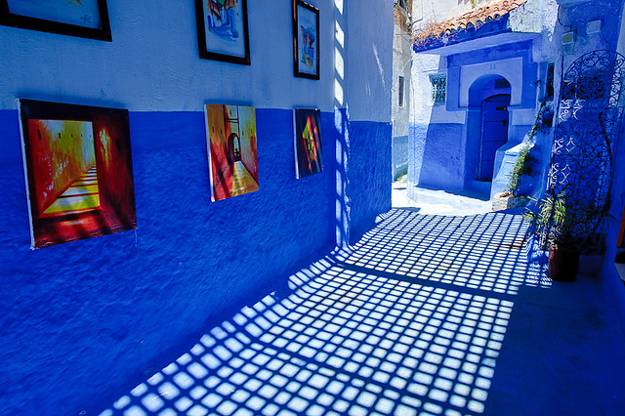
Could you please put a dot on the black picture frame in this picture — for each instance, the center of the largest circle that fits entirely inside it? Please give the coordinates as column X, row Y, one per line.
column 296, row 68
column 33, row 23
column 205, row 53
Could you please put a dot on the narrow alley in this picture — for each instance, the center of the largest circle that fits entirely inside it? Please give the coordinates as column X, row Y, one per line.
column 426, row 315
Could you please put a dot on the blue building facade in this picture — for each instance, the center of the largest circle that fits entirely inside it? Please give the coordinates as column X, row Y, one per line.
column 525, row 51
column 487, row 70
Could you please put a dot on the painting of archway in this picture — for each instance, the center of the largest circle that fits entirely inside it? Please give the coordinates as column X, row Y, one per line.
column 231, row 139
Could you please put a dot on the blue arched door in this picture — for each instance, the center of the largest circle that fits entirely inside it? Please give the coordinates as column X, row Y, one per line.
column 495, row 120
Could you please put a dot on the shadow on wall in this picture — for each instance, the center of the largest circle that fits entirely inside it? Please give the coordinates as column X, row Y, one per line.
column 363, row 148
column 341, row 124
column 413, row 318
column 442, row 158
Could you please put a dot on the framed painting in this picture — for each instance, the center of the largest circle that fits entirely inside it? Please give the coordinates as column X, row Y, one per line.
column 222, row 27
column 78, row 171
column 232, row 152
column 620, row 242
column 307, row 142
column 84, row 18
column 306, row 55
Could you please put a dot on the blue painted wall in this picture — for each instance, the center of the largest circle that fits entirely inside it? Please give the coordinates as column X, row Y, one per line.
column 442, row 164
column 80, row 318
column 82, row 322
column 369, row 168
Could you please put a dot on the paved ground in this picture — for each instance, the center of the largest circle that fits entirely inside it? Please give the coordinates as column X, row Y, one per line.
column 431, row 202
column 432, row 315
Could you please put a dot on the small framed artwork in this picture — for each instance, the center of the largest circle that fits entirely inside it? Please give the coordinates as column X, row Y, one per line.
column 307, row 142
column 232, row 152
column 305, row 40
column 84, row 18
column 222, row 27
column 78, row 171
column 620, row 242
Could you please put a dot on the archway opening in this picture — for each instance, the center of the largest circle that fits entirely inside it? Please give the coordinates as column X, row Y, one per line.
column 487, row 129
column 234, row 148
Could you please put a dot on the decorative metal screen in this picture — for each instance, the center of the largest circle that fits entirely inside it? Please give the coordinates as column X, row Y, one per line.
column 589, row 122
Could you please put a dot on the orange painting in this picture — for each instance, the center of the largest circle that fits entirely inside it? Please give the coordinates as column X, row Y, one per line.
column 79, row 171
column 231, row 138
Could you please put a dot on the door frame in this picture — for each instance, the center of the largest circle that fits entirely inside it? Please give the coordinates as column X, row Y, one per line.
column 478, row 166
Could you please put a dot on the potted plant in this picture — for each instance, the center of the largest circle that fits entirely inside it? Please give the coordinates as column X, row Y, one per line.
column 554, row 227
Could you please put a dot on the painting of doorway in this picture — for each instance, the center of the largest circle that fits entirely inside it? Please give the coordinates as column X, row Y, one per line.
column 79, row 171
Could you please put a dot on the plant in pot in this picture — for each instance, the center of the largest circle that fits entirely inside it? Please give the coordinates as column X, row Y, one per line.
column 554, row 225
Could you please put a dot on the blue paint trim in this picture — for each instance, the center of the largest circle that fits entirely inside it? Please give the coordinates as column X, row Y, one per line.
column 521, row 49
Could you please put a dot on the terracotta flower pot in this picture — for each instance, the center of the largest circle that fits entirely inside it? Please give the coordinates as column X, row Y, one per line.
column 563, row 264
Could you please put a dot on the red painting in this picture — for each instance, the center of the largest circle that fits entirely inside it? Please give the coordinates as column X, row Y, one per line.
column 79, row 171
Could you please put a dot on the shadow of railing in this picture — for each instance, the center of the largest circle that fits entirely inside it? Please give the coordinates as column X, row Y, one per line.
column 358, row 334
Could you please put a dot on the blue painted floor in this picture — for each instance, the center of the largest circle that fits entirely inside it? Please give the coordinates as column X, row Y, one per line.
column 426, row 315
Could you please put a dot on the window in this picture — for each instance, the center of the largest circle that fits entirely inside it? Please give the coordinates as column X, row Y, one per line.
column 401, row 91
column 439, row 88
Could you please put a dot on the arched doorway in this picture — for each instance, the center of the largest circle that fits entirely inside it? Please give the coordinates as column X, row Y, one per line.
column 487, row 128
column 234, row 148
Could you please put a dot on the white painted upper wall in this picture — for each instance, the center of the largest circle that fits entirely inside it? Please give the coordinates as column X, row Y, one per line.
column 402, row 59
column 369, row 63
column 153, row 62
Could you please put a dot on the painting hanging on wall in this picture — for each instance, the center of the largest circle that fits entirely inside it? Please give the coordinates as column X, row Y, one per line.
column 307, row 142
column 84, row 18
column 231, row 142
column 223, row 30
column 78, row 170
column 305, row 40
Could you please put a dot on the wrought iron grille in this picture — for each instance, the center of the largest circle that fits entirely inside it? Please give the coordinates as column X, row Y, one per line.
column 590, row 115
column 439, row 88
